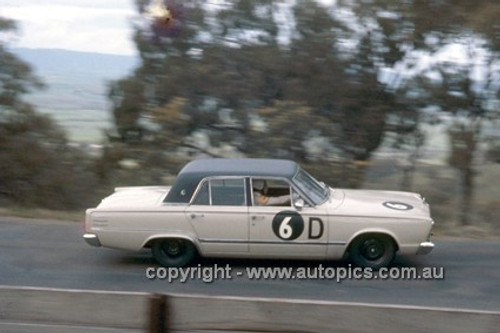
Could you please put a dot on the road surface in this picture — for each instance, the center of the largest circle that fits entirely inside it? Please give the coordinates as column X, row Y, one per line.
column 44, row 253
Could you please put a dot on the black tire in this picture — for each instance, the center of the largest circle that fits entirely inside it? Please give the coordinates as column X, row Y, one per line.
column 373, row 251
column 173, row 252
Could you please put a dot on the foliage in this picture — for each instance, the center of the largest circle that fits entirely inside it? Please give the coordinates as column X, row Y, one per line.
column 231, row 74
column 450, row 63
column 37, row 167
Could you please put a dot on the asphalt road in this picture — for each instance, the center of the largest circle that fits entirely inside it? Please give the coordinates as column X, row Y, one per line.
column 44, row 253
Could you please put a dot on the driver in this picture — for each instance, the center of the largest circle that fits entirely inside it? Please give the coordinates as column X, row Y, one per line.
column 262, row 198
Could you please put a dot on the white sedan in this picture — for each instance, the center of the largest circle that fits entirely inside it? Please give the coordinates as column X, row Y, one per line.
column 260, row 208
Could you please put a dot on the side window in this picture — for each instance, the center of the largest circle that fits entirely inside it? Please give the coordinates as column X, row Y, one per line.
column 271, row 192
column 203, row 196
column 228, row 192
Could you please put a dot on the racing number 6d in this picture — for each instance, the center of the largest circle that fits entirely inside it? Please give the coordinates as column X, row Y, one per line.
column 289, row 225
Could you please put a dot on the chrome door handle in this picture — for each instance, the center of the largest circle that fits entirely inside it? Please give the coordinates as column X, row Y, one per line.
column 193, row 215
column 257, row 217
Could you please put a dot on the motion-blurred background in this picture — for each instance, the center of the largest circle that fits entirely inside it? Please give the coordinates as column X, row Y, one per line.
column 399, row 95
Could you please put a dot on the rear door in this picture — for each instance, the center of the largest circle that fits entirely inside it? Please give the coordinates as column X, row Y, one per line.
column 219, row 215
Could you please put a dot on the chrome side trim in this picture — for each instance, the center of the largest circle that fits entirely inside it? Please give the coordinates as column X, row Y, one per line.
column 242, row 241
column 425, row 248
column 92, row 240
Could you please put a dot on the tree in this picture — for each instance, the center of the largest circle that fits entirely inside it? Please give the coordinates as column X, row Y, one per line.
column 465, row 86
column 236, row 66
column 343, row 86
column 442, row 55
column 470, row 105
column 37, row 167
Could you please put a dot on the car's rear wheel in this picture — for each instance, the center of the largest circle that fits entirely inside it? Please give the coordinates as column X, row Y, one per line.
column 374, row 251
column 173, row 252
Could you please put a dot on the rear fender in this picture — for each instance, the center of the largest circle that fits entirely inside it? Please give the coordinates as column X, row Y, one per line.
column 180, row 235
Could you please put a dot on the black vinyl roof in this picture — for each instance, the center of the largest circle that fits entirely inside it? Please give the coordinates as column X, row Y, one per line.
column 193, row 172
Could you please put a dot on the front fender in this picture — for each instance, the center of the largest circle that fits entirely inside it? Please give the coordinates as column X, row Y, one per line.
column 380, row 231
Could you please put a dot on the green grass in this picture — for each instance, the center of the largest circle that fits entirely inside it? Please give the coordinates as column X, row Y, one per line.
column 40, row 213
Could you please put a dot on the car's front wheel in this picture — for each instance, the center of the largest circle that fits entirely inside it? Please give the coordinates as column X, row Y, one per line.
column 173, row 252
column 374, row 251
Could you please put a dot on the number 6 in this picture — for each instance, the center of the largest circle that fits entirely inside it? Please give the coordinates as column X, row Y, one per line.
column 285, row 229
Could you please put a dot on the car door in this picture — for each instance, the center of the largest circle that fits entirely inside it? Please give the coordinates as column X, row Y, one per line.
column 283, row 230
column 219, row 216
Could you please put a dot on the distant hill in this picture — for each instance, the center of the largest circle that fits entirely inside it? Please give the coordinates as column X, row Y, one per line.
column 77, row 85
column 64, row 61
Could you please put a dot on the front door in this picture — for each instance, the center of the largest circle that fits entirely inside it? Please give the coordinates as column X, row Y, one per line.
column 278, row 229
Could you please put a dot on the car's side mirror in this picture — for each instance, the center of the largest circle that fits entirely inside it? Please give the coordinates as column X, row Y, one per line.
column 299, row 203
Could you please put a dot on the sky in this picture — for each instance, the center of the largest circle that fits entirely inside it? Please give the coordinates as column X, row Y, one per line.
column 102, row 26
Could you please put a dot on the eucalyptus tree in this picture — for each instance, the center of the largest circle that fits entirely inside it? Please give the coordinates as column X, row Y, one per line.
column 217, row 70
column 37, row 167
column 448, row 62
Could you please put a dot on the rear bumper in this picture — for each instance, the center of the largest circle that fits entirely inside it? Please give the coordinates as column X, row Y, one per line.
column 92, row 240
column 425, row 247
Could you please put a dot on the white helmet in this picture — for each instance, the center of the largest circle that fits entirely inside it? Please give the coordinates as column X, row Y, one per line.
column 259, row 184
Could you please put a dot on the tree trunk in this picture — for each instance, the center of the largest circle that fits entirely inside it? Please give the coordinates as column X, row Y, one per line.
column 467, row 176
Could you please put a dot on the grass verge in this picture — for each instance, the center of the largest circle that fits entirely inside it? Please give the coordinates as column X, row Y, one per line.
column 44, row 214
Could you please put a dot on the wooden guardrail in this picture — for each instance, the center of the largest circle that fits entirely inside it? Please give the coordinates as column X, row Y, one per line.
column 26, row 309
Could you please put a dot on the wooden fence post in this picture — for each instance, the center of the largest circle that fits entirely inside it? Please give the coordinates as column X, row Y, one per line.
column 158, row 314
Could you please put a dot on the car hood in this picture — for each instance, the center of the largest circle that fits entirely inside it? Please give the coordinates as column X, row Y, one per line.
column 135, row 197
column 379, row 204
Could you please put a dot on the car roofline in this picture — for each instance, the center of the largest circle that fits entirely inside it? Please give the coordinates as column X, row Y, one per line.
column 190, row 175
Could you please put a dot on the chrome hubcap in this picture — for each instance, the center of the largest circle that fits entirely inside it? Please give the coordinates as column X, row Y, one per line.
column 372, row 249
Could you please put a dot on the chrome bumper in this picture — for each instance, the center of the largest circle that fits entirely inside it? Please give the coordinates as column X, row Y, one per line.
column 92, row 239
column 425, row 247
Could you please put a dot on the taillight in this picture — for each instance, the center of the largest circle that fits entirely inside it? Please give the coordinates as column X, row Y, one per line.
column 86, row 222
